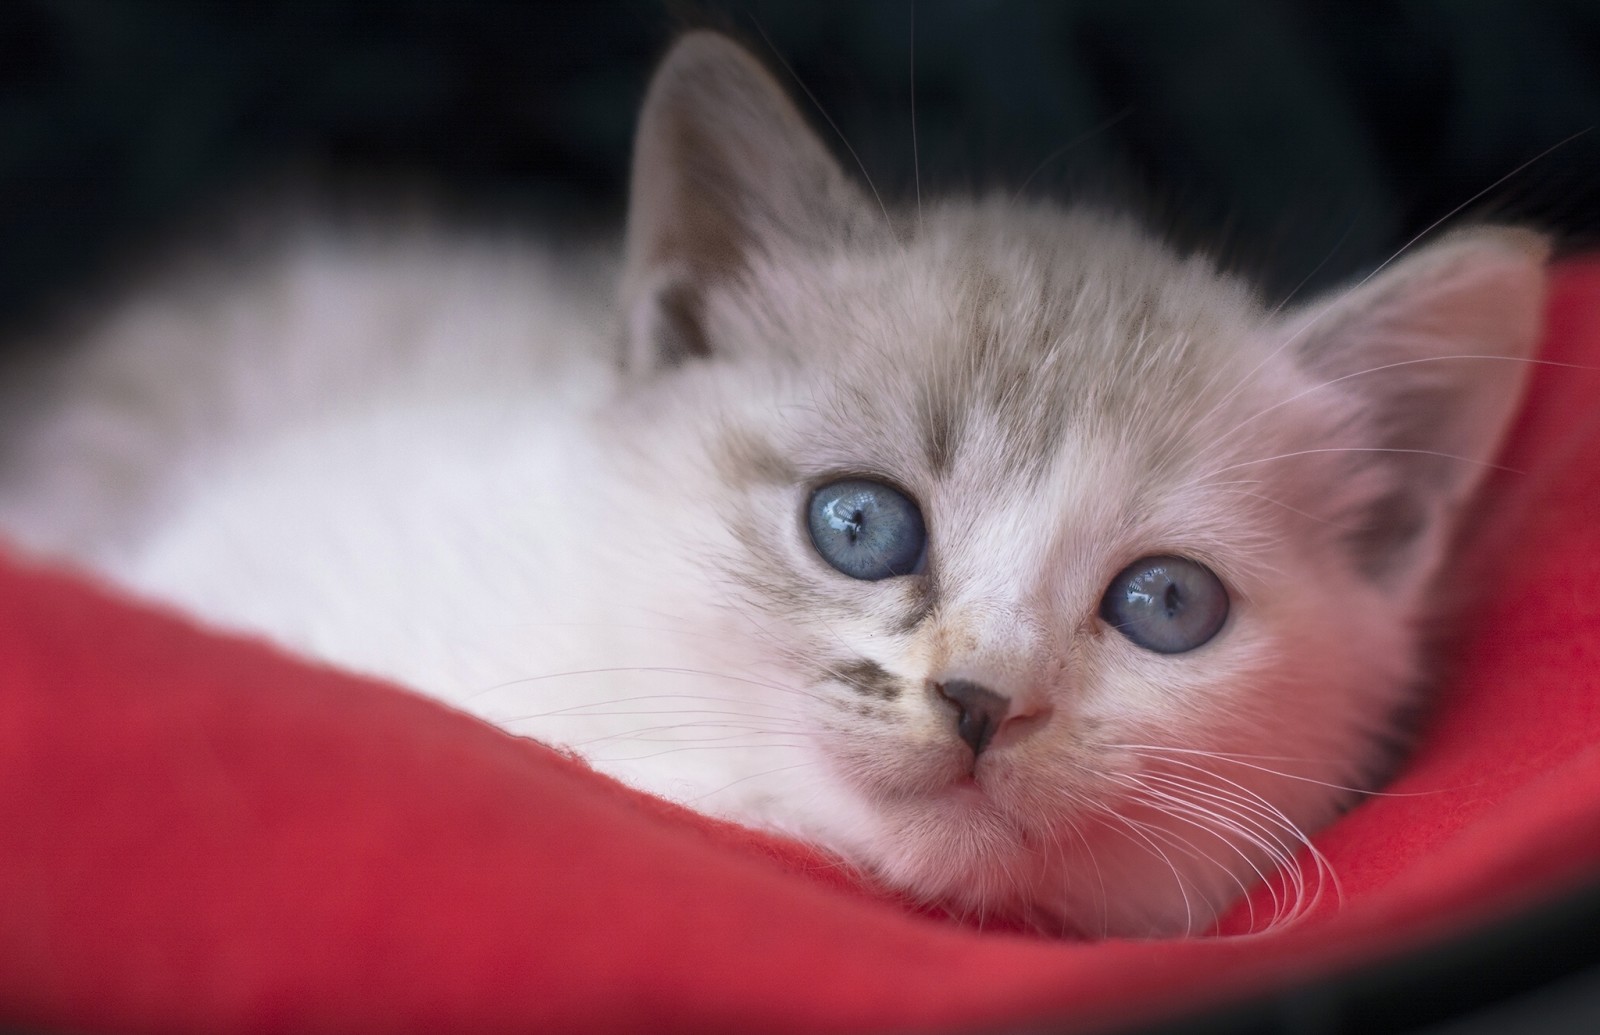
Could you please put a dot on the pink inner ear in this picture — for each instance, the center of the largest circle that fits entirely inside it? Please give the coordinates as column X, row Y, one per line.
column 1432, row 353
column 198, row 834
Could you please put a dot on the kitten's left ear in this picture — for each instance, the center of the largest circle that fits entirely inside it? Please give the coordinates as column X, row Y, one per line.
column 1433, row 352
column 724, row 168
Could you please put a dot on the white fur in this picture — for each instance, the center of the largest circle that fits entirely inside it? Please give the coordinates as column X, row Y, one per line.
column 419, row 457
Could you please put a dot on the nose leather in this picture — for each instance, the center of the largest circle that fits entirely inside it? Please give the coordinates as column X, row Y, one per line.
column 981, row 711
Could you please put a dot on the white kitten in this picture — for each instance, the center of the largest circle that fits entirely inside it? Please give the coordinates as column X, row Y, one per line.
column 1038, row 570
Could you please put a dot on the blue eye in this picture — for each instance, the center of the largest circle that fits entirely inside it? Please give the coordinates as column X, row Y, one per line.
column 1166, row 604
column 866, row 529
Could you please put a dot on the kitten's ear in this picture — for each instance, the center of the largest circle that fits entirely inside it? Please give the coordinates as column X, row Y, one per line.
column 723, row 168
column 1433, row 352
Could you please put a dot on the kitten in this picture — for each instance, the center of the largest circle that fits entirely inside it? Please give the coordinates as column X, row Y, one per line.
column 1040, row 571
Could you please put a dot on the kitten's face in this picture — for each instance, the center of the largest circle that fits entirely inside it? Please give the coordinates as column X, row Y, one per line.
column 1052, row 425
column 1065, row 406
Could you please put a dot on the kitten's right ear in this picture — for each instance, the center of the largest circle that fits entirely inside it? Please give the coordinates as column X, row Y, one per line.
column 724, row 168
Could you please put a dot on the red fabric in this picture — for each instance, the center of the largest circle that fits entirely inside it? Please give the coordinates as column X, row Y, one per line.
column 200, row 835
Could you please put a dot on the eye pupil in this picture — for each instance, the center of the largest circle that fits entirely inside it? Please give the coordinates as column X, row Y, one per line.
column 1166, row 604
column 866, row 529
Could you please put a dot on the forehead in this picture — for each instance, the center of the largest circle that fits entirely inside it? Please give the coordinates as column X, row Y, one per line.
column 992, row 343
column 1061, row 388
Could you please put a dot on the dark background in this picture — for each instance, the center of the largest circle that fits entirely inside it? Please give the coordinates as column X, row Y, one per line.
column 1296, row 140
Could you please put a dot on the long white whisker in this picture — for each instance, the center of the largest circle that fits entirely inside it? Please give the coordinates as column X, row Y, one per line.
column 752, row 776
column 1184, row 811
column 657, row 669
column 584, row 707
column 1320, row 859
column 778, row 56
column 699, row 747
column 1230, row 814
column 1363, row 449
column 638, row 734
column 1293, row 510
column 1239, row 759
column 1306, row 328
column 1087, row 134
column 821, row 665
column 1288, row 400
column 1431, row 227
column 1133, row 829
column 1099, row 876
column 1309, row 276
column 916, row 162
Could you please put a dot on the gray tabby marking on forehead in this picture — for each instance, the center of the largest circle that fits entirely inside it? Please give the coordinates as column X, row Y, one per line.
column 1005, row 351
column 941, row 413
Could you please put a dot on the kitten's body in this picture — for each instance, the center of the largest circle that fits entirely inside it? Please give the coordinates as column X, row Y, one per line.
column 421, row 459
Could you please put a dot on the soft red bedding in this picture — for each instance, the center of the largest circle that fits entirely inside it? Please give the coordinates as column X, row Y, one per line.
column 198, row 834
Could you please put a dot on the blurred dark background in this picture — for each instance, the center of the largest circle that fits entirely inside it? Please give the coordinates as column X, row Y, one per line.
column 1299, row 140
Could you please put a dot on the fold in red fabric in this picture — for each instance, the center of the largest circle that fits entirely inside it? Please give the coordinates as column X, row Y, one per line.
column 200, row 834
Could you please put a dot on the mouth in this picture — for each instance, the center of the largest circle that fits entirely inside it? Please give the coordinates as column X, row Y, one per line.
column 952, row 782
column 965, row 792
column 967, row 783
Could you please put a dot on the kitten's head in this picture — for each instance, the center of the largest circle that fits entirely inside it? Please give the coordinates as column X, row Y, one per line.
column 1087, row 574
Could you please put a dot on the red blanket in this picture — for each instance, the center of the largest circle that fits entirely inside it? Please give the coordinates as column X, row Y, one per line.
column 198, row 834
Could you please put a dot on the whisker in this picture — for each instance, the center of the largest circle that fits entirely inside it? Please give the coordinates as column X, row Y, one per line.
column 1133, row 828
column 916, row 163
column 1431, row 227
column 1312, row 275
column 1293, row 510
column 699, row 747
column 778, row 56
column 1248, row 821
column 1178, row 809
column 1099, row 876
column 658, row 669
column 1239, row 759
column 1306, row 328
column 1087, row 134
column 807, row 658
column 757, row 776
column 1526, row 360
column 637, row 734
column 1271, row 810
column 580, row 709
column 1365, row 449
